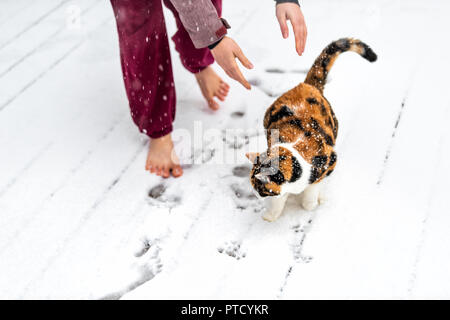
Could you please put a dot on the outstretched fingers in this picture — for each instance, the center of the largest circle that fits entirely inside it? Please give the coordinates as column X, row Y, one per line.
column 300, row 34
column 281, row 16
column 235, row 73
column 243, row 59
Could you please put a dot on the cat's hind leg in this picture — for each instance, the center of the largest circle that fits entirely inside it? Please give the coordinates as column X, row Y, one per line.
column 275, row 206
column 311, row 197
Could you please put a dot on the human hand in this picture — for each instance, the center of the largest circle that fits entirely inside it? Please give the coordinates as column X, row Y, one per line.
column 291, row 11
column 225, row 54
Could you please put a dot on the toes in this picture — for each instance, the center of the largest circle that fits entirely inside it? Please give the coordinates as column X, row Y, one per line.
column 222, row 92
column 177, row 171
column 213, row 104
column 150, row 167
column 165, row 173
column 224, row 85
column 221, row 97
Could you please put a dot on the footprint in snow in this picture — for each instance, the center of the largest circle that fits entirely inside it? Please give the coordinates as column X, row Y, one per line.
column 157, row 191
column 148, row 260
column 237, row 114
column 242, row 171
column 146, row 266
column 232, row 249
column 158, row 196
column 281, row 71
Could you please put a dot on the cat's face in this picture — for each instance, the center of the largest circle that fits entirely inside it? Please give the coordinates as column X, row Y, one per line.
column 272, row 170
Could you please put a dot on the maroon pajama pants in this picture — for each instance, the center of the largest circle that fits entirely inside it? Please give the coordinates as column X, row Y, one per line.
column 146, row 63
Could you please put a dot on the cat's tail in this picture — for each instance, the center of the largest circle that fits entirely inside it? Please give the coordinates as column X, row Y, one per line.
column 317, row 75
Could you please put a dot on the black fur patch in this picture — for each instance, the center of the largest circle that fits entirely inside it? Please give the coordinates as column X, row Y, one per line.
column 312, row 100
column 280, row 114
column 315, row 174
column 323, row 110
column 320, row 161
column 333, row 158
column 337, row 46
column 329, row 122
column 319, row 79
column 315, row 125
column 296, row 170
column 368, row 53
column 318, row 167
column 332, row 48
column 325, row 62
column 343, row 44
column 297, row 123
column 336, row 124
column 278, row 177
column 328, row 139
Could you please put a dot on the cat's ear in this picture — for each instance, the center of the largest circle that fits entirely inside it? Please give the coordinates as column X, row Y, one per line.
column 252, row 156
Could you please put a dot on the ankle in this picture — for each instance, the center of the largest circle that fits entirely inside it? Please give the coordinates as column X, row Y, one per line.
column 164, row 140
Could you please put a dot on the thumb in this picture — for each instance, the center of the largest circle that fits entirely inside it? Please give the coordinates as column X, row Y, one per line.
column 243, row 59
column 283, row 26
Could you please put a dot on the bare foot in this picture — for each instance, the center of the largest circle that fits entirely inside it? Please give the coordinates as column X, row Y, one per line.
column 212, row 86
column 161, row 158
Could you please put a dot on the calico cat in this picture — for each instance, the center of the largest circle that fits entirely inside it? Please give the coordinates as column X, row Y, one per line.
column 301, row 130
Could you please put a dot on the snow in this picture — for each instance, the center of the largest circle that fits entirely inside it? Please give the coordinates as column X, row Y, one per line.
column 80, row 218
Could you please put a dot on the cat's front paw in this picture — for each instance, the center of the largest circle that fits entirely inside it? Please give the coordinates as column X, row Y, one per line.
column 309, row 203
column 274, row 207
column 311, row 197
column 270, row 216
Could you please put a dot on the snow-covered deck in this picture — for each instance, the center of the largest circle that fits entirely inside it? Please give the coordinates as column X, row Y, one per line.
column 76, row 219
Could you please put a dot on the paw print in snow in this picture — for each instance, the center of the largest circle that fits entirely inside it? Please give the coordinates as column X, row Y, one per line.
column 232, row 249
column 297, row 244
column 245, row 198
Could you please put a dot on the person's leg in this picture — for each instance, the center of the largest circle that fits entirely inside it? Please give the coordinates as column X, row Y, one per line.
column 198, row 61
column 147, row 73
